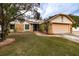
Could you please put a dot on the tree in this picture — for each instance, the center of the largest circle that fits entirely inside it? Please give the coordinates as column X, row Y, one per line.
column 76, row 19
column 10, row 12
column 37, row 14
column 34, row 12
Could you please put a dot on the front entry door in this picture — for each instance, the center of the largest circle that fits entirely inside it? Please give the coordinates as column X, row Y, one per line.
column 35, row 27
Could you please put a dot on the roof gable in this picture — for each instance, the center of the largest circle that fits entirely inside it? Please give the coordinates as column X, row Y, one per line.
column 61, row 18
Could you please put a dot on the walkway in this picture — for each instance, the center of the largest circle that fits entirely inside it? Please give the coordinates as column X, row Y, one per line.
column 71, row 37
column 42, row 34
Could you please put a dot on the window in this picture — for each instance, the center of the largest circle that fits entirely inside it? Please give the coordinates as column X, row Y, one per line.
column 26, row 26
column 12, row 26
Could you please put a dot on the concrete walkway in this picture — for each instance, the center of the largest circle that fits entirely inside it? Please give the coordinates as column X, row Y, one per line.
column 71, row 37
column 43, row 34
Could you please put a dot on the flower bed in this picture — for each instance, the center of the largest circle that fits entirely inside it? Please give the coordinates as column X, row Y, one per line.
column 7, row 42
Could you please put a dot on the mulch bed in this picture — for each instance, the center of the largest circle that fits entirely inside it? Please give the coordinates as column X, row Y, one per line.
column 7, row 42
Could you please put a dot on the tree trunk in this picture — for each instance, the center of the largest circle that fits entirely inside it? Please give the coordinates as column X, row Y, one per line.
column 3, row 37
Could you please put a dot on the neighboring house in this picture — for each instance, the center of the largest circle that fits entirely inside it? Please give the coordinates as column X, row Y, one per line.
column 60, row 24
column 27, row 25
column 75, row 29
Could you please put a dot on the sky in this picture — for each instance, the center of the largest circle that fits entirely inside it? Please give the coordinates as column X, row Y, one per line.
column 50, row 9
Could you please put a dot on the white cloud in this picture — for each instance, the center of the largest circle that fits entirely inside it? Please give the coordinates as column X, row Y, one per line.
column 56, row 8
column 48, row 11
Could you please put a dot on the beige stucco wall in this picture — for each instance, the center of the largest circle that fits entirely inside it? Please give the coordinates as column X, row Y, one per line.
column 50, row 29
column 19, row 27
column 60, row 25
column 60, row 28
column 31, row 28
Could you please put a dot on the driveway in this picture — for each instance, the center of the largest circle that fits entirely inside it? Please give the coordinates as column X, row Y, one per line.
column 75, row 33
column 71, row 37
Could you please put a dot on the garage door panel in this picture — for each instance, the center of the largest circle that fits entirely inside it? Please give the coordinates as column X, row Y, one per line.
column 60, row 28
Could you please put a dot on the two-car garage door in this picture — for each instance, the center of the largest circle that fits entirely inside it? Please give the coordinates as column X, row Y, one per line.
column 61, row 28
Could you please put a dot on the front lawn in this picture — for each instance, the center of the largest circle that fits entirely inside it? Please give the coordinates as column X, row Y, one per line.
column 30, row 44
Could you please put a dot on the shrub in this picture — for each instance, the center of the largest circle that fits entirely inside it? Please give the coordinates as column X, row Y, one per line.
column 42, row 27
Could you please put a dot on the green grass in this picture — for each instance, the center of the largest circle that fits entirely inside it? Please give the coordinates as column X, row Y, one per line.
column 29, row 44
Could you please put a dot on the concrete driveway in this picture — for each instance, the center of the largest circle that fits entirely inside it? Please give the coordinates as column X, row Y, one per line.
column 71, row 37
column 75, row 33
